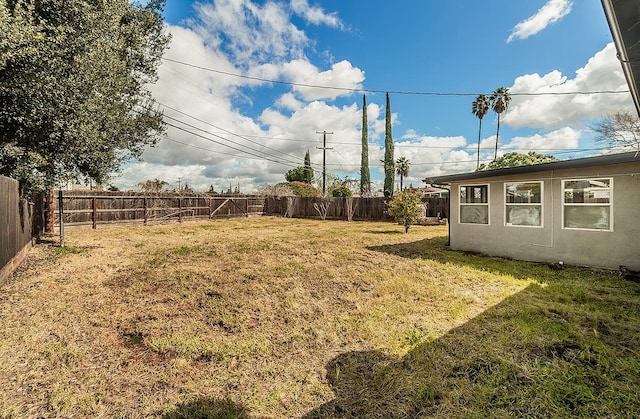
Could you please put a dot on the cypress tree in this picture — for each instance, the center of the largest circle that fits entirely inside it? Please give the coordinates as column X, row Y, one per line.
column 389, row 164
column 308, row 170
column 365, row 175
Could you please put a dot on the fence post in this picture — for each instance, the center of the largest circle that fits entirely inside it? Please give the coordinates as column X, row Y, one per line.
column 180, row 209
column 144, row 205
column 246, row 207
column 94, row 214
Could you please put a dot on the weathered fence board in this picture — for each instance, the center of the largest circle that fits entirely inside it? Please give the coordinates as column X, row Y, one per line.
column 16, row 216
column 93, row 208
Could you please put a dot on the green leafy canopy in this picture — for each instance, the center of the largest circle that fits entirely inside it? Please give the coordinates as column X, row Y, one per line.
column 74, row 79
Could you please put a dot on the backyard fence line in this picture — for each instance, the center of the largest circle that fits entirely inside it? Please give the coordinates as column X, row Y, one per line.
column 19, row 223
column 92, row 208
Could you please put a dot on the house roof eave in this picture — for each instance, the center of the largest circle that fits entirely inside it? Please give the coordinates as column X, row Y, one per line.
column 536, row 168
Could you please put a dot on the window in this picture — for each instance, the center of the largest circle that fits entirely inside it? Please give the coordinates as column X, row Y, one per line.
column 474, row 204
column 587, row 204
column 523, row 204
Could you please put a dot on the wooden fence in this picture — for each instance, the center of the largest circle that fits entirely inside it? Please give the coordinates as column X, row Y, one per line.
column 91, row 208
column 16, row 221
column 371, row 209
column 80, row 208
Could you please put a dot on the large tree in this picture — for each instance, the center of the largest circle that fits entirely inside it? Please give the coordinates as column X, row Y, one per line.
column 402, row 169
column 518, row 159
column 389, row 169
column 621, row 129
column 365, row 174
column 74, row 77
column 500, row 100
column 479, row 108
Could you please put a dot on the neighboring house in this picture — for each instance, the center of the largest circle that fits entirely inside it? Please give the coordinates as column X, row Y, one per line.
column 582, row 212
column 432, row 192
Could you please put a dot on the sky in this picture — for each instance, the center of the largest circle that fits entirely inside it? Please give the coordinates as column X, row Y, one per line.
column 246, row 86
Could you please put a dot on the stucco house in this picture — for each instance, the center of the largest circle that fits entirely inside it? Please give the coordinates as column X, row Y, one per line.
column 583, row 212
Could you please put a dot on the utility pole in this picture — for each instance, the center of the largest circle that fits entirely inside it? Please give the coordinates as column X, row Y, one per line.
column 179, row 179
column 324, row 149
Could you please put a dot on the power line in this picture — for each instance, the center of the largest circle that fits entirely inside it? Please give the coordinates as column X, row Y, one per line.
column 226, row 131
column 396, row 92
column 231, row 147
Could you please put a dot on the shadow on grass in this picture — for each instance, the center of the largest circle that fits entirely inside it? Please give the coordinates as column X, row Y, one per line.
column 394, row 232
column 207, row 408
column 436, row 249
column 566, row 348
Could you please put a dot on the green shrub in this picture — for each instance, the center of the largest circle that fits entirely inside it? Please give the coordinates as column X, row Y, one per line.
column 405, row 208
column 304, row 189
column 341, row 191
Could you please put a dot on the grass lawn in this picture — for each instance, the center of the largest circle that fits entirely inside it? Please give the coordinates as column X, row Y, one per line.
column 274, row 317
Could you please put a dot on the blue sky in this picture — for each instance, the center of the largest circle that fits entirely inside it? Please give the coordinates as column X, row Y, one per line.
column 250, row 132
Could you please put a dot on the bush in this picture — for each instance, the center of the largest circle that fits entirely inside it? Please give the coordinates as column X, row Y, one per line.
column 280, row 189
column 405, row 208
column 341, row 191
column 304, row 189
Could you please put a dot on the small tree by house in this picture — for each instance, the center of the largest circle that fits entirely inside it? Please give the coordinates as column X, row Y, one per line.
column 405, row 208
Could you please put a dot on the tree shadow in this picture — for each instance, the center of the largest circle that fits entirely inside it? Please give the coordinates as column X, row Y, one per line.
column 208, row 408
column 553, row 350
column 480, row 369
column 436, row 249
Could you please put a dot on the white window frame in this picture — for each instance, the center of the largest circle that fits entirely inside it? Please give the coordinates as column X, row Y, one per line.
column 588, row 204
column 462, row 204
column 536, row 204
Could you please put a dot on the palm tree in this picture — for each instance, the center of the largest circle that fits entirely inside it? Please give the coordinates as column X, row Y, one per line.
column 500, row 99
column 402, row 168
column 479, row 108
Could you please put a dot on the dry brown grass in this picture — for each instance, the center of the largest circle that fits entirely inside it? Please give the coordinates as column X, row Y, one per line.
column 239, row 317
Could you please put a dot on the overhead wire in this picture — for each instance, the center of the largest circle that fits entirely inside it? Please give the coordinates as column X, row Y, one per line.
column 286, row 162
column 390, row 91
column 228, row 132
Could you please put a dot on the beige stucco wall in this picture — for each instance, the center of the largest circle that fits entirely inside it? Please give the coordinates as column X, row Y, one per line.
column 552, row 243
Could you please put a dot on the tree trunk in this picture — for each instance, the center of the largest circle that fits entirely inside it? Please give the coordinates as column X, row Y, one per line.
column 49, row 212
column 479, row 135
column 495, row 155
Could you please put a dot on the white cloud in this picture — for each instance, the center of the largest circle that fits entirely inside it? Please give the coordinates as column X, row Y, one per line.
column 553, row 109
column 563, row 138
column 315, row 15
column 251, row 34
column 433, row 156
column 552, row 12
column 239, row 37
column 341, row 75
